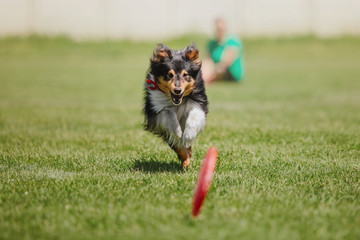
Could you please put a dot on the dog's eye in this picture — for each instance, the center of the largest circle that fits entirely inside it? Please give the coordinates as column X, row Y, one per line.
column 186, row 76
column 170, row 75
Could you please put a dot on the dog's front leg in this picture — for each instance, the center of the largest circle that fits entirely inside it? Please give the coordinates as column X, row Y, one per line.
column 168, row 123
column 194, row 124
column 170, row 126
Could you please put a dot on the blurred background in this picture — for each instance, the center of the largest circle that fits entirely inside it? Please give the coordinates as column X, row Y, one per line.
column 158, row 19
column 75, row 162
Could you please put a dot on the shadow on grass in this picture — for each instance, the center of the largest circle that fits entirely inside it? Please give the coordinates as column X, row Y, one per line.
column 157, row 166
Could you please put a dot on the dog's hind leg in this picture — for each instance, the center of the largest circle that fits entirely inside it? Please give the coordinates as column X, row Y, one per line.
column 184, row 155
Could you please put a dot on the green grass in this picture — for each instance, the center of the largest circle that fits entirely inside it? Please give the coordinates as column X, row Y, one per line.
column 75, row 162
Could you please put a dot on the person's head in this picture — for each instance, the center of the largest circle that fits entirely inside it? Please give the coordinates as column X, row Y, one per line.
column 220, row 29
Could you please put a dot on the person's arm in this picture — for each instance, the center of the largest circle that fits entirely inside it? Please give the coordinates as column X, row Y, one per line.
column 228, row 58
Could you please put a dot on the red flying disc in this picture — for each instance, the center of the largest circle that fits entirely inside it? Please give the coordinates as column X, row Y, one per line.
column 204, row 180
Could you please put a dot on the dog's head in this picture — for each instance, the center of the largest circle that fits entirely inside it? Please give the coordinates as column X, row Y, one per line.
column 175, row 71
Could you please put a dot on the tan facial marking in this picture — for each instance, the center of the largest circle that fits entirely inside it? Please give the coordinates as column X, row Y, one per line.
column 186, row 86
column 189, row 82
column 189, row 87
column 164, row 85
column 171, row 74
column 172, row 82
column 185, row 74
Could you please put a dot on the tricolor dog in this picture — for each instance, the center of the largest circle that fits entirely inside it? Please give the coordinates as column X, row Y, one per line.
column 176, row 104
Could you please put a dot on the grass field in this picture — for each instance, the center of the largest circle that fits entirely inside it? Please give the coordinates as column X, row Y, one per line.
column 75, row 162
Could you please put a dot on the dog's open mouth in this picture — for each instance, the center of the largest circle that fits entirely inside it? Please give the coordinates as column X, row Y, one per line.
column 176, row 98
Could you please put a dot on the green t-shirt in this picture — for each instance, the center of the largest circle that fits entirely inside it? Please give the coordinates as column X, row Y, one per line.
column 216, row 50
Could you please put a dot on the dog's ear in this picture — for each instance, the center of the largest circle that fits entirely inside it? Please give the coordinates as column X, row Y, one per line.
column 160, row 53
column 192, row 54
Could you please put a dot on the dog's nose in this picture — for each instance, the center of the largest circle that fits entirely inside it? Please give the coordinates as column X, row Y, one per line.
column 177, row 90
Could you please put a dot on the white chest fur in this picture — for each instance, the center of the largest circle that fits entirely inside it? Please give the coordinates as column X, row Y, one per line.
column 180, row 123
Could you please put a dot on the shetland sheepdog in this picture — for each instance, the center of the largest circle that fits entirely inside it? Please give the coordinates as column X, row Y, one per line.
column 176, row 104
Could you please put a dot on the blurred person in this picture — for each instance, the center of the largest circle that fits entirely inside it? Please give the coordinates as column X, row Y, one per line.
column 226, row 56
